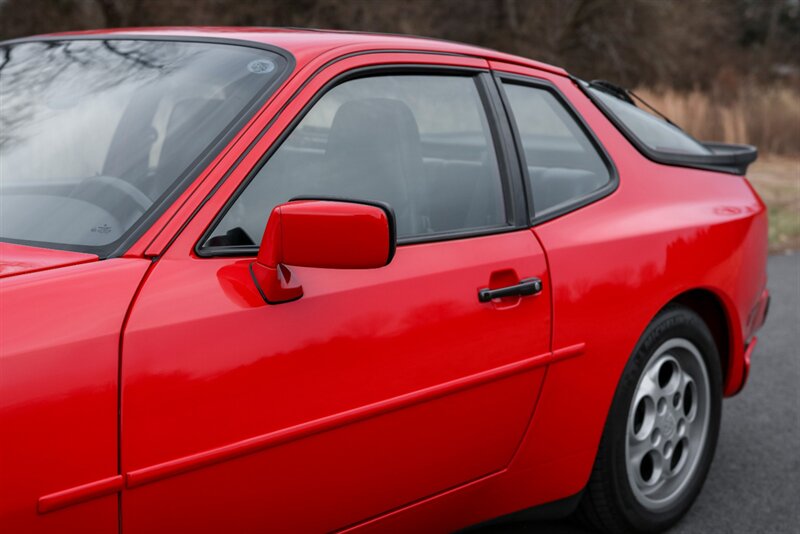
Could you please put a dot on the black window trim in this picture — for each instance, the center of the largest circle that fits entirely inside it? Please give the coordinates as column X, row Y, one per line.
column 499, row 130
column 201, row 163
column 580, row 202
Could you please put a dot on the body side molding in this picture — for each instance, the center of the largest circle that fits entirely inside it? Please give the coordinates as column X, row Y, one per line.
column 146, row 475
column 153, row 473
column 79, row 494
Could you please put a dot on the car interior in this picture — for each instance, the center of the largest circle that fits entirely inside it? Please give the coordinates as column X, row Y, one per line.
column 438, row 183
column 435, row 184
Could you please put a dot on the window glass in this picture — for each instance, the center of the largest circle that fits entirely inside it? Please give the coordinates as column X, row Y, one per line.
column 563, row 165
column 651, row 130
column 94, row 132
column 420, row 143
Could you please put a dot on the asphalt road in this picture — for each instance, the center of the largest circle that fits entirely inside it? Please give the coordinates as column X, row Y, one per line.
column 754, row 483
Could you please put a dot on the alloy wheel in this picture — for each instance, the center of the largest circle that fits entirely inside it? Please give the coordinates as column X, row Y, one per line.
column 668, row 424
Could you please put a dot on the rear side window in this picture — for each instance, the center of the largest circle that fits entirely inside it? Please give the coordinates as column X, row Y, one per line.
column 654, row 132
column 563, row 166
column 420, row 143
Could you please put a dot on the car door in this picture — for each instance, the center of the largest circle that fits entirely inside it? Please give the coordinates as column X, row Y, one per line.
column 376, row 388
column 574, row 198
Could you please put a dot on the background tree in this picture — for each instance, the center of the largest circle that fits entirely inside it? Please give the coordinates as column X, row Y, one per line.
column 677, row 43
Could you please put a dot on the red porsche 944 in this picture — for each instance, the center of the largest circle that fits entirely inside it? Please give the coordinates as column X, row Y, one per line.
column 260, row 280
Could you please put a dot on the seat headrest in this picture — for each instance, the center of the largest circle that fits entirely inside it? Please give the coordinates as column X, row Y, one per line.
column 373, row 153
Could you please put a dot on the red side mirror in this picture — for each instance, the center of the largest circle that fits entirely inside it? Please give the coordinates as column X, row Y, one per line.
column 328, row 234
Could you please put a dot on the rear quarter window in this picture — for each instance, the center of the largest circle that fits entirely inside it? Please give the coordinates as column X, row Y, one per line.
column 563, row 167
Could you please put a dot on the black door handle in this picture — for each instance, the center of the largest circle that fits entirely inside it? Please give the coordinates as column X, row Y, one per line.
column 529, row 286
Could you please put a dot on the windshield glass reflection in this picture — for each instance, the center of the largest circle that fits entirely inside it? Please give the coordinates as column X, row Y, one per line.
column 93, row 133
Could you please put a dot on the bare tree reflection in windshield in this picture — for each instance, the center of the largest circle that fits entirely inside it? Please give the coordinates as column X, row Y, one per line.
column 94, row 132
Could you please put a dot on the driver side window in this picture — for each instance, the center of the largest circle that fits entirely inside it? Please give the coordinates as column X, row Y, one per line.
column 420, row 143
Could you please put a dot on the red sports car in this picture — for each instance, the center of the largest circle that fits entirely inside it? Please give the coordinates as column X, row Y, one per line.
column 303, row 281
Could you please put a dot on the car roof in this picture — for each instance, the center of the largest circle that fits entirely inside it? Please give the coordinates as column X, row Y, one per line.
column 305, row 43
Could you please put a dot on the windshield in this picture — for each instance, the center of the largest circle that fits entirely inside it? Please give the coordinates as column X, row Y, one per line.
column 95, row 133
column 653, row 131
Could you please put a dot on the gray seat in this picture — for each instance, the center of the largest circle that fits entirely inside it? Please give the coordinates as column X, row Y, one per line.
column 462, row 195
column 374, row 153
column 556, row 185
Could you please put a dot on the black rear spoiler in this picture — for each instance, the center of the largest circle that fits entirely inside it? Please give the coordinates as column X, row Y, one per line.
column 724, row 157
column 731, row 158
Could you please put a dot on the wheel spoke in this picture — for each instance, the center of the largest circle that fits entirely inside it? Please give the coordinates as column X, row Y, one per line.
column 639, row 448
column 648, row 388
column 683, row 428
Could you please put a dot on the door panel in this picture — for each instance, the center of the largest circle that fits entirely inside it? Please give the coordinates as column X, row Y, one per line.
column 376, row 388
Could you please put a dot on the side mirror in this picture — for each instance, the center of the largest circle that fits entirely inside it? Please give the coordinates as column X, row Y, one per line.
column 325, row 233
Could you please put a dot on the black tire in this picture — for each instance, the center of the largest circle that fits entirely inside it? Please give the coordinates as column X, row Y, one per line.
column 608, row 503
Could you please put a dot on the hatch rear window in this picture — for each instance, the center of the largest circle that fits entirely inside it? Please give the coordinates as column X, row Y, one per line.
column 650, row 129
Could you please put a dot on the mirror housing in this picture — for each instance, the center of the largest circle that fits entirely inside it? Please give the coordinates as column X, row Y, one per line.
column 321, row 233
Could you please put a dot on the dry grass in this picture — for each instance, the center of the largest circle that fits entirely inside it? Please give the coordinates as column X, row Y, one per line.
column 777, row 180
column 768, row 117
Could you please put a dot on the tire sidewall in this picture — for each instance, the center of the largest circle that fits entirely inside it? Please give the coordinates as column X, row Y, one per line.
column 675, row 322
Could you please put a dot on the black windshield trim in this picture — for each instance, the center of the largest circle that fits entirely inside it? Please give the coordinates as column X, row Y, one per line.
column 196, row 168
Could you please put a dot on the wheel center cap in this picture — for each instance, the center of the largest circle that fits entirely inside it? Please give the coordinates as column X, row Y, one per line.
column 668, row 425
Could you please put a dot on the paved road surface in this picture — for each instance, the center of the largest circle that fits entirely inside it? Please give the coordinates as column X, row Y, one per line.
column 754, row 483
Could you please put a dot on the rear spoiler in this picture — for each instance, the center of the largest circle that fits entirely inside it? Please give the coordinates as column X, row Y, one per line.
column 724, row 157
column 732, row 158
